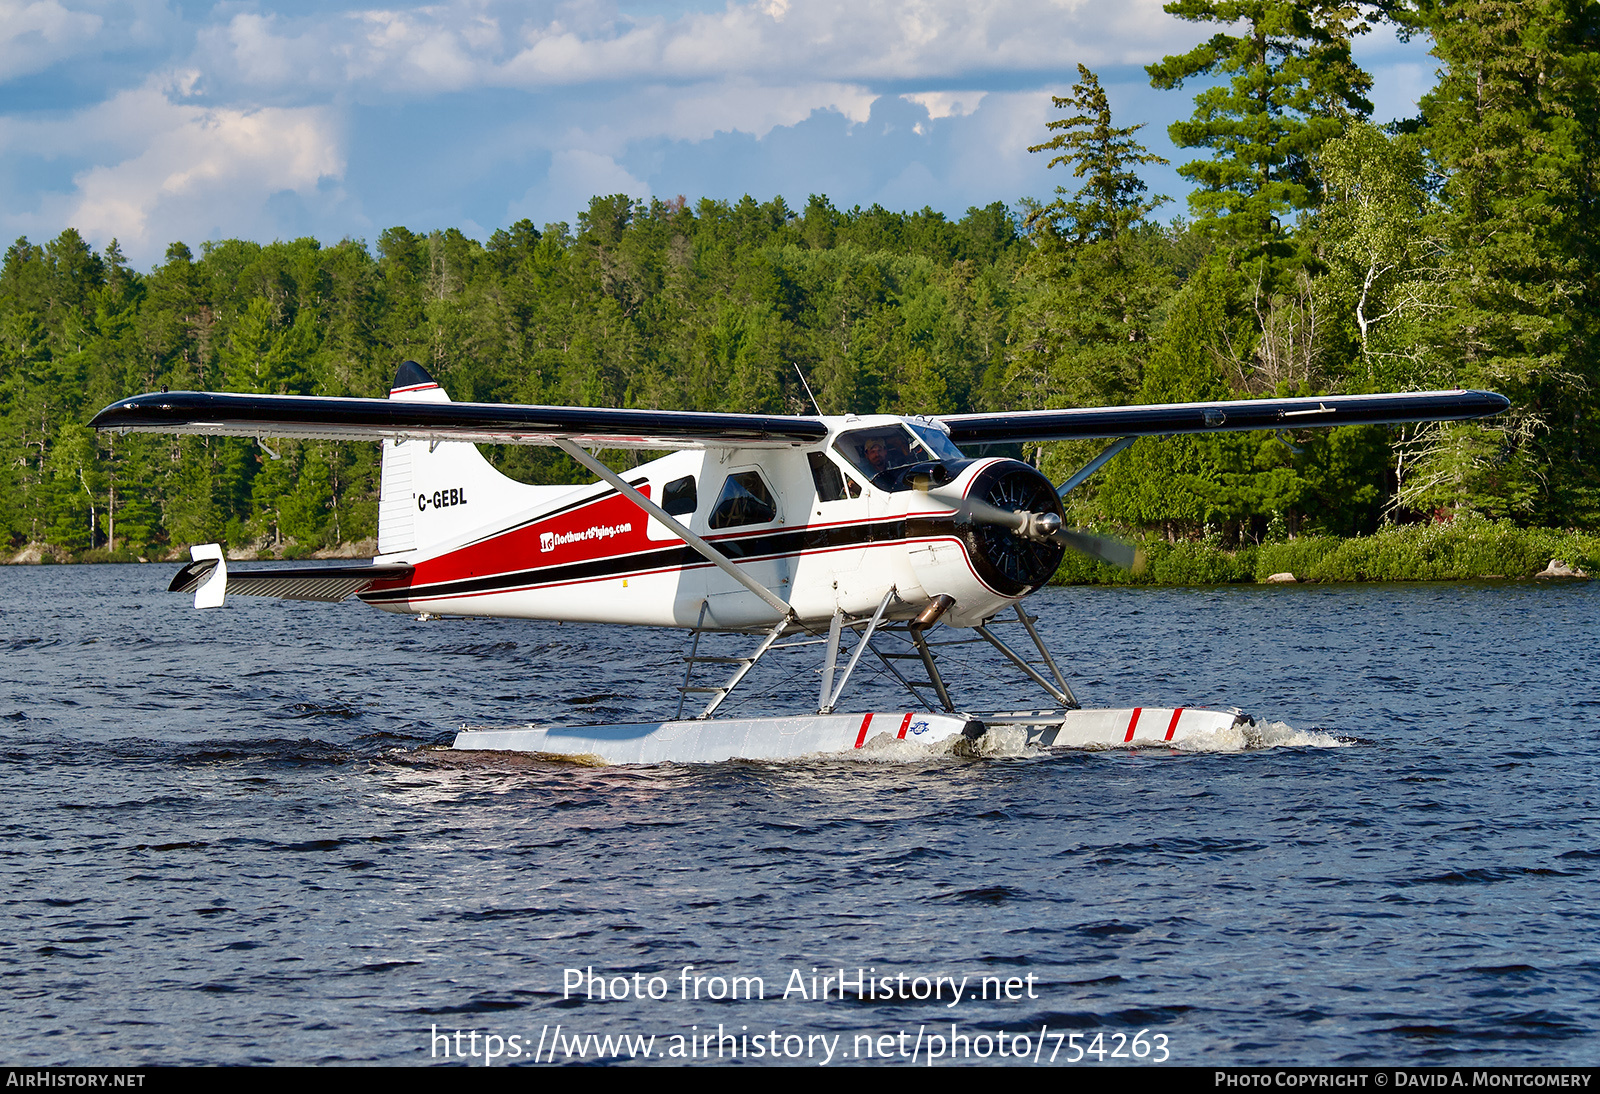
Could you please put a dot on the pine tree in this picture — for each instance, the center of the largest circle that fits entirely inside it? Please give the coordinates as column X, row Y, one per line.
column 1292, row 85
column 1513, row 124
column 1111, row 200
column 1081, row 338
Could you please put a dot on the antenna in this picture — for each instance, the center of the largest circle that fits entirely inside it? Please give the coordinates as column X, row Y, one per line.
column 807, row 386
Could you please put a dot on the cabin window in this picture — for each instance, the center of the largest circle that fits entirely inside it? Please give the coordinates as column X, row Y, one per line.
column 744, row 500
column 831, row 484
column 679, row 496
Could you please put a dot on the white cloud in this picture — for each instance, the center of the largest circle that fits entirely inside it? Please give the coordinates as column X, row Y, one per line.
column 169, row 167
column 744, row 106
column 34, row 36
column 942, row 104
column 466, row 43
column 38, row 34
column 258, row 55
column 415, row 50
column 604, row 81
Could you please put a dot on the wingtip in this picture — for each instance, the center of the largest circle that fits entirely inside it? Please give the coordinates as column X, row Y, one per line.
column 110, row 417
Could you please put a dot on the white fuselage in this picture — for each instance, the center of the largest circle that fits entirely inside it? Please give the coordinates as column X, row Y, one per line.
column 483, row 545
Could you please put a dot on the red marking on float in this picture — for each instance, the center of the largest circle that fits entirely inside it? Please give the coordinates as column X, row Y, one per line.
column 905, row 723
column 1132, row 724
column 861, row 738
column 1172, row 726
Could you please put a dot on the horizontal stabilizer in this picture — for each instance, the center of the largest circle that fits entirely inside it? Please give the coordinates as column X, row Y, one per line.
column 328, row 583
column 1170, row 419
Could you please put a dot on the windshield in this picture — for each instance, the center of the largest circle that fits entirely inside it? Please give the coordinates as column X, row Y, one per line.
column 937, row 440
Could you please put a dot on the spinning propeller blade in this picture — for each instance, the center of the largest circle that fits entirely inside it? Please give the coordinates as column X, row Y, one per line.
column 1115, row 551
column 1048, row 526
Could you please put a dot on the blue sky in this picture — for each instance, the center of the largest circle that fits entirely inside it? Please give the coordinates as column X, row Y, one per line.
column 153, row 122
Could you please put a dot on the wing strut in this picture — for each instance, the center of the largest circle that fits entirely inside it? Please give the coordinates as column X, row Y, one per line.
column 1094, row 465
column 708, row 552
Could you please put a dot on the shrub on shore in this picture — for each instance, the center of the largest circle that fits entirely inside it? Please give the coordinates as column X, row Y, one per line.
column 1465, row 549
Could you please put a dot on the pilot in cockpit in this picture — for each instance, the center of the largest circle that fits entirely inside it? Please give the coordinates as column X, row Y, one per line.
column 877, row 454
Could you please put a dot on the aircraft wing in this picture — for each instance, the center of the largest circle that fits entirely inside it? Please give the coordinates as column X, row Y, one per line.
column 308, row 417
column 1164, row 420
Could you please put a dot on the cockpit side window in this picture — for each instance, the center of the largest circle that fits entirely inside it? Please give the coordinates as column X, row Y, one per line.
column 874, row 451
column 831, row 484
column 744, row 500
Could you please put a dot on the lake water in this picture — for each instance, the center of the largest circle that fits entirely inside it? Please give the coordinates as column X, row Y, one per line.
column 229, row 837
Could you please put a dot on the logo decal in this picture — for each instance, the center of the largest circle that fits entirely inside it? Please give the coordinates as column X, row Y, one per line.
column 549, row 541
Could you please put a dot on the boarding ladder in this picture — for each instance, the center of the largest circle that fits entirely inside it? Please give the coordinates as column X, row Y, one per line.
column 742, row 665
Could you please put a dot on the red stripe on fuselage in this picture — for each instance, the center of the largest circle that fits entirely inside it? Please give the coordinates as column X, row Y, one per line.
column 590, row 531
column 520, row 550
column 420, row 596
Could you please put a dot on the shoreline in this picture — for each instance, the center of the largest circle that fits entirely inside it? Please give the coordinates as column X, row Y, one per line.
column 1467, row 549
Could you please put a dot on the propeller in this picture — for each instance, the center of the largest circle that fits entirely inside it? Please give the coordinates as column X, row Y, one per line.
column 1045, row 527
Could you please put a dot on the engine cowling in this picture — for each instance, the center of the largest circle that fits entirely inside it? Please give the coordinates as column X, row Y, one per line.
column 1011, row 564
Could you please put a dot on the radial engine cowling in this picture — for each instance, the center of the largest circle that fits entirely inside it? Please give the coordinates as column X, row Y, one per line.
column 1011, row 564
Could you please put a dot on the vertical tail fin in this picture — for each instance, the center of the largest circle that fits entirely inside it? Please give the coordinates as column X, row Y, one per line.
column 433, row 492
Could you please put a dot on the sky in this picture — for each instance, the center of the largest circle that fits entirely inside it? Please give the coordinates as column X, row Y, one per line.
column 152, row 122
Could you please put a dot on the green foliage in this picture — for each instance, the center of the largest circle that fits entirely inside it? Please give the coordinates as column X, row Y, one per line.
column 1461, row 550
column 1110, row 200
column 643, row 304
column 1168, row 482
column 1514, row 128
column 1382, row 261
column 1291, row 86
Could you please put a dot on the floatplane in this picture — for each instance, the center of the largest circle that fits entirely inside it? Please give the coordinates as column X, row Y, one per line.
column 855, row 536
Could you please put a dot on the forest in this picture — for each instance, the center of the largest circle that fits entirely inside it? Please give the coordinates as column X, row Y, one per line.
column 1318, row 254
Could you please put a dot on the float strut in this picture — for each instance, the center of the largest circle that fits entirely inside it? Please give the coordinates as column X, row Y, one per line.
column 829, row 701
column 925, row 619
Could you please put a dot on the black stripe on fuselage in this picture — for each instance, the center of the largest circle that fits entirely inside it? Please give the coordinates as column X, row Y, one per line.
column 775, row 544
